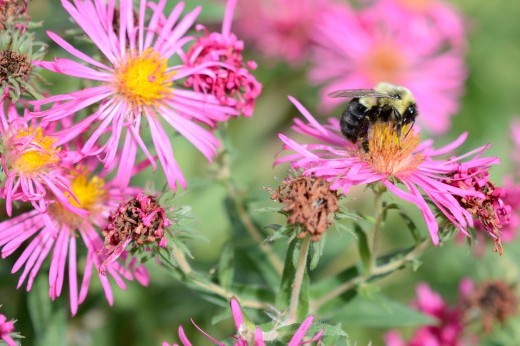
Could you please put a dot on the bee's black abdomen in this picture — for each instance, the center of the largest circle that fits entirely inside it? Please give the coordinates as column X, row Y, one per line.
column 354, row 121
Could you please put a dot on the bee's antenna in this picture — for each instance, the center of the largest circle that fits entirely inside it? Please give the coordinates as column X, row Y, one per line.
column 409, row 129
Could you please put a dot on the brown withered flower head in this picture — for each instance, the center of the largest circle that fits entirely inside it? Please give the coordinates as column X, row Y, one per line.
column 13, row 15
column 138, row 223
column 309, row 203
column 489, row 211
column 493, row 300
column 17, row 51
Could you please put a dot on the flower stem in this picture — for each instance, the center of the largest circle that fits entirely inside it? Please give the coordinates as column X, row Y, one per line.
column 375, row 271
column 208, row 286
column 180, row 258
column 298, row 280
column 378, row 203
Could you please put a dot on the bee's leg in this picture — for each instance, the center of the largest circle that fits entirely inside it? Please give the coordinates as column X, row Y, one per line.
column 365, row 146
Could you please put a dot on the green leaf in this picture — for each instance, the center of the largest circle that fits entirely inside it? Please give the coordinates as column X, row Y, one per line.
column 226, row 266
column 381, row 312
column 316, row 251
column 329, row 330
column 39, row 303
column 49, row 326
column 411, row 226
column 363, row 247
column 247, row 248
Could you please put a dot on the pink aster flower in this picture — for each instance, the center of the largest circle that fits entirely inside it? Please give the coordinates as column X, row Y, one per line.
column 6, row 331
column 436, row 18
column 357, row 50
column 280, row 29
column 511, row 198
column 232, row 82
column 134, row 83
column 56, row 234
column 31, row 161
column 394, row 158
column 249, row 335
column 447, row 331
column 489, row 209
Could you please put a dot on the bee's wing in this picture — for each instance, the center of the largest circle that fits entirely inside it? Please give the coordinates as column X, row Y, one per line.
column 352, row 93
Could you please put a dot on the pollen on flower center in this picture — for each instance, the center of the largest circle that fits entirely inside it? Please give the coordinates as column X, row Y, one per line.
column 391, row 152
column 384, row 63
column 143, row 80
column 31, row 151
column 88, row 195
column 88, row 192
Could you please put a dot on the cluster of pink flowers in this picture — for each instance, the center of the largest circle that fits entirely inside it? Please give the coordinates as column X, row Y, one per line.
column 75, row 170
column 478, row 308
column 422, row 50
column 232, row 82
column 447, row 330
column 281, row 29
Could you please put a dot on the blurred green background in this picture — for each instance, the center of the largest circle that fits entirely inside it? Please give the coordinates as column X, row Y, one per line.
column 149, row 315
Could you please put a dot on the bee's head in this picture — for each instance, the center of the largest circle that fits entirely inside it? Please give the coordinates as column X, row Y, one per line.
column 402, row 101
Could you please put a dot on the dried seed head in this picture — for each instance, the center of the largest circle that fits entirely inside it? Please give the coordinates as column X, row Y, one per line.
column 495, row 301
column 490, row 211
column 308, row 202
column 13, row 13
column 140, row 221
column 14, row 65
column 17, row 51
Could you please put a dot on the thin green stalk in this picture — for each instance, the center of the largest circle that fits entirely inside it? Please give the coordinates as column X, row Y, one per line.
column 298, row 280
column 211, row 287
column 375, row 271
column 377, row 228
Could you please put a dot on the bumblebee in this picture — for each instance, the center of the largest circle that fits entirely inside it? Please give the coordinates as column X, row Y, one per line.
column 385, row 103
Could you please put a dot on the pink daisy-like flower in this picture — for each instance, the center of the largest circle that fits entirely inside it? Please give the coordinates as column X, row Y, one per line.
column 357, row 50
column 248, row 334
column 6, row 331
column 436, row 18
column 58, row 230
column 393, row 157
column 135, row 82
column 280, row 29
column 31, row 161
column 232, row 83
column 448, row 331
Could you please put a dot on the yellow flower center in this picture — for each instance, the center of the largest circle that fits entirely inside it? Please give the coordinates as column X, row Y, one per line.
column 417, row 5
column 390, row 152
column 143, row 80
column 88, row 195
column 39, row 154
column 385, row 63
